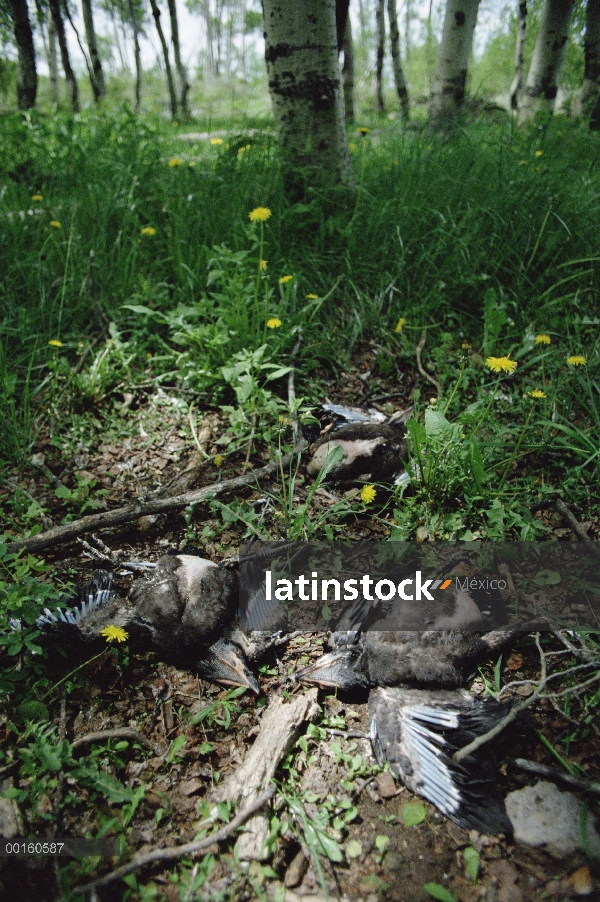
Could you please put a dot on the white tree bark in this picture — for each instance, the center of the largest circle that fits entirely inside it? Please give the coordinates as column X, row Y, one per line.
column 304, row 81
column 380, row 26
column 53, row 60
column 399, row 79
column 518, row 79
column 348, row 72
column 548, row 56
column 590, row 89
column 450, row 78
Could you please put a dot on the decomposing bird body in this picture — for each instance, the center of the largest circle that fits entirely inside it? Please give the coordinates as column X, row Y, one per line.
column 184, row 610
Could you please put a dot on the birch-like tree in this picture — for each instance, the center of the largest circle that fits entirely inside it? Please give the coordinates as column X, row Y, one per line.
column 515, row 88
column 59, row 25
column 380, row 33
column 450, row 79
column 97, row 74
column 589, row 98
column 301, row 51
column 27, row 84
column 165, row 51
column 399, row 79
column 548, row 55
column 184, row 85
column 348, row 72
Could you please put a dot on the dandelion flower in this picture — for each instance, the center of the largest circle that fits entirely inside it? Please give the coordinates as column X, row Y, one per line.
column 501, row 364
column 259, row 214
column 216, row 141
column 362, row 130
column 149, row 231
column 175, row 161
column 114, row 632
column 191, row 164
column 263, row 265
column 466, row 345
column 576, row 360
column 543, row 339
column 352, row 145
column 218, row 460
column 537, row 393
column 55, row 224
column 274, row 323
column 312, row 297
column 284, row 279
column 368, row 494
column 37, row 197
column 400, row 324
column 539, row 153
column 55, row 343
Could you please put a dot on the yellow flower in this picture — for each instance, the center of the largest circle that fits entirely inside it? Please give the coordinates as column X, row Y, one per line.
column 274, row 323
column 175, row 161
column 37, row 197
column 216, row 141
column 522, row 162
column 148, row 230
column 543, row 339
column 259, row 214
column 263, row 265
column 312, row 297
column 501, row 364
column 352, row 145
column 191, row 164
column 285, row 279
column 576, row 360
column 539, row 153
column 362, row 130
column 218, row 460
column 368, row 494
column 466, row 345
column 114, row 632
column 55, row 343
column 400, row 324
column 55, row 224
column 536, row 393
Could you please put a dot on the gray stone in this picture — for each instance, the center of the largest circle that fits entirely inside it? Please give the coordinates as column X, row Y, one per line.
column 543, row 816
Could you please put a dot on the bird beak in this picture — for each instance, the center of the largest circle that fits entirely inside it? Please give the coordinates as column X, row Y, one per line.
column 225, row 662
column 334, row 670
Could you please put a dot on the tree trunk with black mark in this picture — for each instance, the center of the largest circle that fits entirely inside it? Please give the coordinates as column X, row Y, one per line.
column 59, row 25
column 450, row 80
column 98, row 82
column 399, row 79
column 136, row 52
column 550, row 47
column 27, row 84
column 184, row 85
column 53, row 60
column 165, row 51
column 515, row 88
column 380, row 30
column 348, row 72
column 304, row 82
column 589, row 97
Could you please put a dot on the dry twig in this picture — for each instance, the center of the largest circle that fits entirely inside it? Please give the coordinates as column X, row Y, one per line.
column 423, row 372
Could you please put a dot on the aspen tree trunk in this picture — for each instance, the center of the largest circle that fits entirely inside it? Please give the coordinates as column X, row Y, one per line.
column 348, row 72
column 27, row 84
column 590, row 90
column 304, row 82
column 137, row 55
column 401, row 88
column 407, row 35
column 518, row 79
column 380, row 26
column 165, row 50
column 98, row 82
column 184, row 85
column 548, row 55
column 53, row 60
column 449, row 83
column 59, row 25
column 210, row 56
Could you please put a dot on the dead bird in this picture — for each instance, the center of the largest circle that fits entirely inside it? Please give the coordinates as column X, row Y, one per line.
column 184, row 610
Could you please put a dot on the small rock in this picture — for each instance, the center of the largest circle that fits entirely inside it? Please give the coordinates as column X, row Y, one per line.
column 507, row 878
column 542, row 815
column 296, row 871
column 386, row 785
column 580, row 882
column 189, row 787
column 44, row 805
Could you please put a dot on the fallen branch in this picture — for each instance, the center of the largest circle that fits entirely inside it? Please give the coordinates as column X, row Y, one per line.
column 142, row 508
column 117, row 733
column 556, row 775
column 170, row 854
column 576, row 526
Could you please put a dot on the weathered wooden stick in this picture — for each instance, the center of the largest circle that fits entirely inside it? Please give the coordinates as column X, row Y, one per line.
column 59, row 534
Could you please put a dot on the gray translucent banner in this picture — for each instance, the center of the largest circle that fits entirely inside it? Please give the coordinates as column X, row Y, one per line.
column 408, row 586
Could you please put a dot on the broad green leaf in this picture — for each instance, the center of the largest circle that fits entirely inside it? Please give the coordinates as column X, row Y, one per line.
column 382, row 842
column 353, row 848
column 471, row 857
column 546, row 578
column 413, row 813
column 438, row 892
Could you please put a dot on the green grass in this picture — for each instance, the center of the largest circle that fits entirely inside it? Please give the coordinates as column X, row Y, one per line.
column 488, row 236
